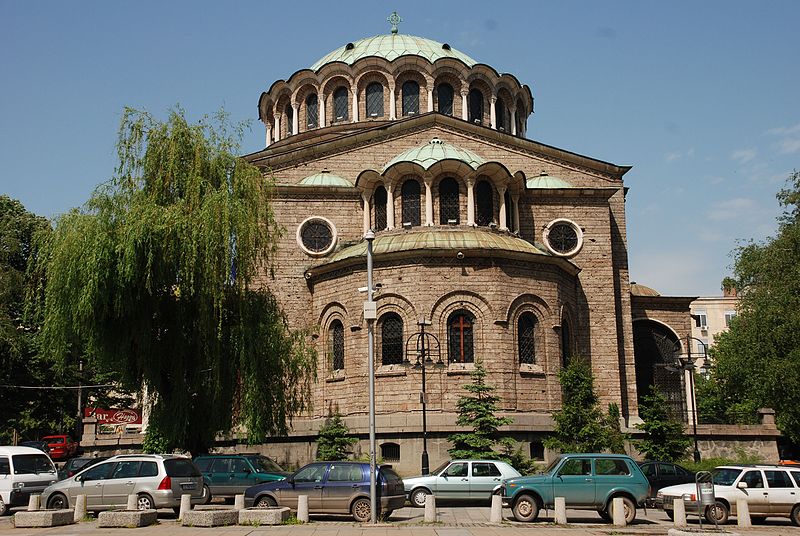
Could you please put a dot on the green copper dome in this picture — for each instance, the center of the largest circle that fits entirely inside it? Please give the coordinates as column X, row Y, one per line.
column 435, row 151
column 391, row 47
column 546, row 181
column 325, row 178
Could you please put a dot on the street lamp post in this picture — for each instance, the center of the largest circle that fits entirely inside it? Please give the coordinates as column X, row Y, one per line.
column 687, row 363
column 370, row 315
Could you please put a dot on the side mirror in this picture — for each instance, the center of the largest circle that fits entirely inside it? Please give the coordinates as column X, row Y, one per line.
column 290, row 480
column 742, row 485
column 78, row 478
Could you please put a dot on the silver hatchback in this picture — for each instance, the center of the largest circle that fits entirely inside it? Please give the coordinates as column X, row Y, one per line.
column 158, row 481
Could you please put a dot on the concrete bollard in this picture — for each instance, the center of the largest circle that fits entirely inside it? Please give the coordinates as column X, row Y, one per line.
column 678, row 513
column 80, row 508
column 430, row 508
column 34, row 503
column 496, row 515
column 743, row 514
column 561, row 511
column 132, row 502
column 618, row 512
column 238, row 502
column 302, row 508
column 186, row 505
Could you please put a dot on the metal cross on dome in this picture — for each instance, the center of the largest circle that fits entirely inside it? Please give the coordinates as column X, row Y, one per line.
column 394, row 19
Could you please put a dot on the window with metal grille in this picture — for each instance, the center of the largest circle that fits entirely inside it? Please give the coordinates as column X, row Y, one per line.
column 526, row 338
column 410, row 97
column 475, row 106
column 312, row 111
column 390, row 452
column 444, row 93
column 379, row 202
column 337, row 345
column 375, row 100
column 340, row 104
column 391, row 339
column 316, row 235
column 410, row 196
column 448, row 201
column 509, row 212
column 484, row 204
column 288, row 117
column 500, row 114
column 563, row 237
column 459, row 338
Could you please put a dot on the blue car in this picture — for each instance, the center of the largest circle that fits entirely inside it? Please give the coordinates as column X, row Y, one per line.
column 332, row 488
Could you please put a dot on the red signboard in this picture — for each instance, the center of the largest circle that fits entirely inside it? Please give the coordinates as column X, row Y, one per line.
column 114, row 415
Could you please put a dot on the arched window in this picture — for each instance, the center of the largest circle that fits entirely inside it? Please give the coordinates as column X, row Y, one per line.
column 520, row 117
column 390, row 452
column 500, row 115
column 460, row 348
column 410, row 97
column 566, row 342
column 484, row 204
column 448, row 201
column 379, row 202
column 509, row 212
column 336, row 343
column 445, row 97
column 411, row 208
column 526, row 338
column 340, row 104
column 312, row 111
column 475, row 106
column 288, row 117
column 391, row 339
column 375, row 100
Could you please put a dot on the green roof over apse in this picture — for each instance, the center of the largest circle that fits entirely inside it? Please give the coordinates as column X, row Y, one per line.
column 435, row 151
column 391, row 47
column 546, row 181
column 325, row 178
column 438, row 239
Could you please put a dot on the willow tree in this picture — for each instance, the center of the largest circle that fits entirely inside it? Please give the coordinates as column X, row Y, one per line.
column 159, row 277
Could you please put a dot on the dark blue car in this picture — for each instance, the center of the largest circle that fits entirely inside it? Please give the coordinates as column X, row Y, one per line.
column 332, row 488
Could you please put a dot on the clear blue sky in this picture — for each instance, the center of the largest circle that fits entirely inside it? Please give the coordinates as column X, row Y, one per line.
column 701, row 97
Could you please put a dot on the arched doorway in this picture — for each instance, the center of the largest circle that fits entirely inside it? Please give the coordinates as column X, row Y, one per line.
column 654, row 351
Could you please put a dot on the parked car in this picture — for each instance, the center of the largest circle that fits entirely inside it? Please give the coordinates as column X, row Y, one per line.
column 663, row 474
column 459, row 479
column 38, row 445
column 23, row 471
column 72, row 466
column 61, row 446
column 228, row 475
column 770, row 491
column 586, row 481
column 158, row 480
column 332, row 488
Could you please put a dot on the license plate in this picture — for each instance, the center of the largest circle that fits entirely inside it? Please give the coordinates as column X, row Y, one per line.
column 189, row 485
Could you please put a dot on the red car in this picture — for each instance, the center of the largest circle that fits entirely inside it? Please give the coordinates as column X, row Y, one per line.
column 61, row 446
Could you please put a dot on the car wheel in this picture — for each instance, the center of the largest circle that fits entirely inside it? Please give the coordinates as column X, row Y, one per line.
column 206, row 494
column 57, row 501
column 795, row 516
column 717, row 513
column 604, row 515
column 145, row 502
column 627, row 506
column 525, row 508
column 670, row 514
column 3, row 507
column 361, row 510
column 385, row 515
column 265, row 502
column 418, row 497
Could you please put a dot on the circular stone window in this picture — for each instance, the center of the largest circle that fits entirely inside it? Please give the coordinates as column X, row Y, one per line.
column 316, row 236
column 563, row 238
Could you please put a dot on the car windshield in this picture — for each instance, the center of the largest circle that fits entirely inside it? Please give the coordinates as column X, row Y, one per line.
column 724, row 476
column 262, row 464
column 440, row 468
column 32, row 464
column 552, row 466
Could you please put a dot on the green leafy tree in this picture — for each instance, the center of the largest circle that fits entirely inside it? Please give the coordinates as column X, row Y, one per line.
column 334, row 441
column 756, row 363
column 156, row 278
column 478, row 411
column 581, row 425
column 664, row 436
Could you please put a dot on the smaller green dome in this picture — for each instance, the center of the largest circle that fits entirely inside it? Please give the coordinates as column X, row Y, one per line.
column 435, row 151
column 325, row 178
column 546, row 181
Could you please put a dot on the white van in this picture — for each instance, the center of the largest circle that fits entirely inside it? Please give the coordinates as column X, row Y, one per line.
column 24, row 471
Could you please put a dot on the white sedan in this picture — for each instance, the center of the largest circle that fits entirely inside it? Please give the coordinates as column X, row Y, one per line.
column 459, row 479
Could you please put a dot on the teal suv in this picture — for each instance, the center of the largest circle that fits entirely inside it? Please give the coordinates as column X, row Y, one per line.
column 228, row 475
column 586, row 481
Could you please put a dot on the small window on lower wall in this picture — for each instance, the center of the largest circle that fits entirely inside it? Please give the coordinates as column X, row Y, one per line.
column 537, row 450
column 390, row 452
